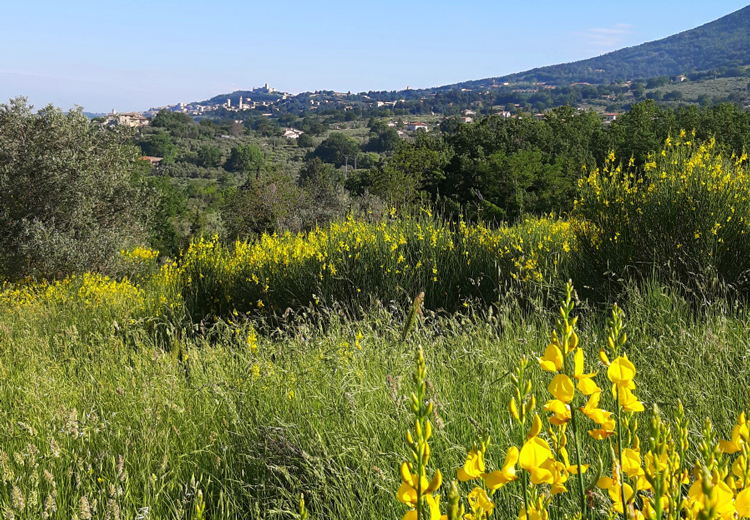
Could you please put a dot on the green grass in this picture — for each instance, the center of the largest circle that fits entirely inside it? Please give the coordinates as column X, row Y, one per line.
column 320, row 408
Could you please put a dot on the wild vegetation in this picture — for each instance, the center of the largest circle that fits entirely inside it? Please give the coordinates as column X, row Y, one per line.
column 585, row 363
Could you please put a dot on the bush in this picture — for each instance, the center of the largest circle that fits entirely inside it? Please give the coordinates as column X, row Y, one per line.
column 72, row 193
column 353, row 262
column 684, row 218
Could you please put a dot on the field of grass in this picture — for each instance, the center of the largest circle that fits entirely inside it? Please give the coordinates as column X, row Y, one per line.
column 103, row 421
column 228, row 384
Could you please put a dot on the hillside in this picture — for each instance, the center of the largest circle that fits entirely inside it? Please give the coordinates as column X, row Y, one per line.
column 717, row 45
column 713, row 59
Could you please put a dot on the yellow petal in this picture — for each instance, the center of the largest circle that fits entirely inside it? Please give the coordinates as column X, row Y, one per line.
column 534, row 453
column 742, row 503
column 437, row 480
column 542, row 476
column 511, row 457
column 536, row 427
column 560, row 410
column 631, row 462
column 514, row 409
column 600, row 433
column 478, row 499
column 434, row 504
column 497, row 479
column 728, row 447
column 552, row 361
column 407, row 494
column 621, row 372
column 410, row 515
column 587, row 386
column 723, row 498
column 573, row 469
column 473, row 467
column 629, row 401
column 557, row 488
column 562, row 388
column 405, row 472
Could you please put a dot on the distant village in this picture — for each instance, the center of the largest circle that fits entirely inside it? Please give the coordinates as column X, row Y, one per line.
column 267, row 107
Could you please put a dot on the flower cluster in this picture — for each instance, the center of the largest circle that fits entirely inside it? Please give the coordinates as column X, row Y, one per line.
column 355, row 260
column 646, row 482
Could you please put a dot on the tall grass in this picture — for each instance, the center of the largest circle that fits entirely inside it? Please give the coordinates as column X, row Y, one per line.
column 109, row 421
column 120, row 400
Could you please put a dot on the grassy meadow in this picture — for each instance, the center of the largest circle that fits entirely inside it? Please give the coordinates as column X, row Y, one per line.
column 238, row 378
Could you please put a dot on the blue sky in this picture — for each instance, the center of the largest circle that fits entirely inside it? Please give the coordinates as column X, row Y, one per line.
column 136, row 54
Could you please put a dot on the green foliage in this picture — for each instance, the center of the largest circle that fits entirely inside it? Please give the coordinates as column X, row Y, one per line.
column 246, row 159
column 163, row 235
column 264, row 205
column 383, row 138
column 504, row 167
column 684, row 219
column 414, row 166
column 209, row 156
column 176, row 123
column 305, row 141
column 337, row 149
column 160, row 145
column 72, row 190
column 353, row 262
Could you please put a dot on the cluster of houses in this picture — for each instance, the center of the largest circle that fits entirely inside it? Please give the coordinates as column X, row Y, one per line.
column 129, row 119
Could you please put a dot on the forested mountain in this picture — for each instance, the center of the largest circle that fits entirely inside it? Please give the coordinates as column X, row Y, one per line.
column 719, row 45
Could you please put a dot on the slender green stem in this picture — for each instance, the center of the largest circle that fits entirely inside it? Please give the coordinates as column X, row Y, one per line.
column 619, row 454
column 525, row 494
column 576, row 445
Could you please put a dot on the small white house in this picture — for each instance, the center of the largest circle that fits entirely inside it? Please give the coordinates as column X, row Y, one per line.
column 413, row 127
column 292, row 133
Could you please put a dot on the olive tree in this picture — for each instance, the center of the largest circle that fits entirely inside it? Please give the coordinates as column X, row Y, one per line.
column 71, row 193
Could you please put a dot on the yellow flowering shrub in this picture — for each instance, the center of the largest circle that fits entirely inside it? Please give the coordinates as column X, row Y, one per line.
column 684, row 216
column 353, row 261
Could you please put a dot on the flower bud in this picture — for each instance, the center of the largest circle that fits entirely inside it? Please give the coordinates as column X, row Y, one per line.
column 436, row 482
column 405, row 473
column 536, row 427
column 514, row 409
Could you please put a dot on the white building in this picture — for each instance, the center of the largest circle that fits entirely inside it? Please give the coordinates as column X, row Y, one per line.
column 292, row 133
column 413, row 127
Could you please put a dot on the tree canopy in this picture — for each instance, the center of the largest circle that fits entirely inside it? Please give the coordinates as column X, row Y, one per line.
column 72, row 192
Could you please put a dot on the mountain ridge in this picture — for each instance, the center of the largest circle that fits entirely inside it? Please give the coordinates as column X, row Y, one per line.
column 724, row 42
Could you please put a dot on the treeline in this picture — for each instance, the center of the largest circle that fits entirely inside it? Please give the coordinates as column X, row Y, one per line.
column 99, row 197
column 496, row 169
column 502, row 168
